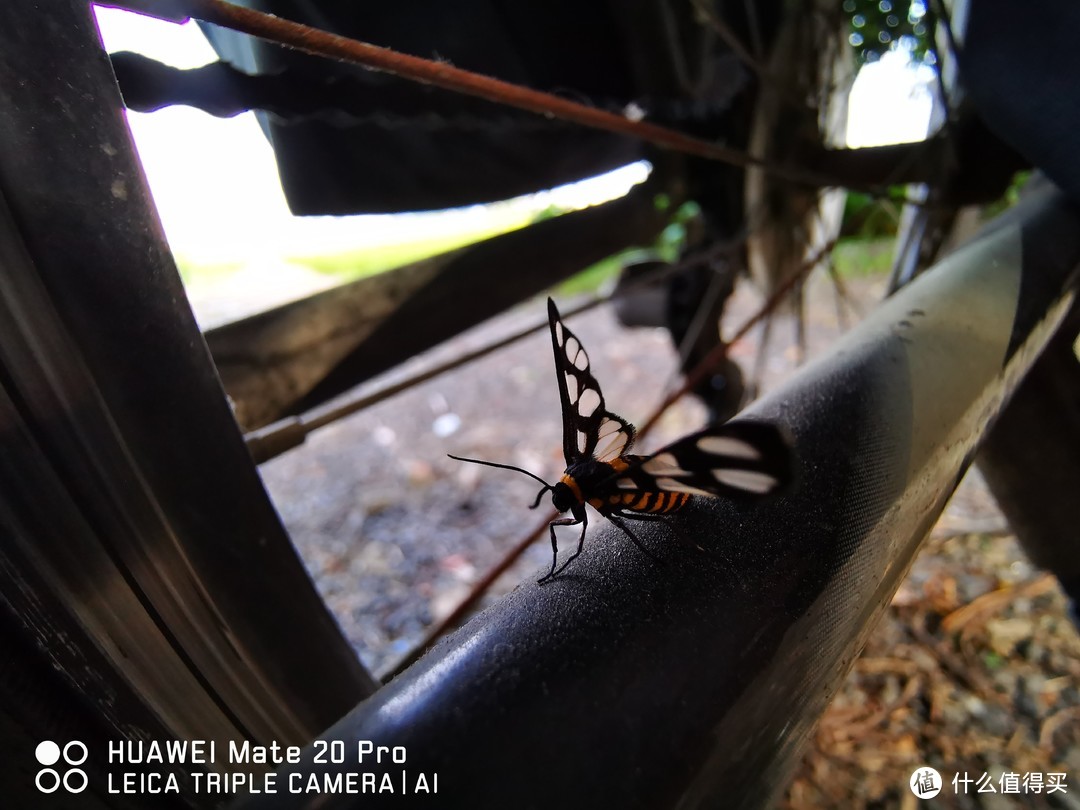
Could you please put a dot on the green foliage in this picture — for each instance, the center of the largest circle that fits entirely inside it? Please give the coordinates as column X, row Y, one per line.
column 880, row 25
column 993, row 661
column 550, row 212
column 867, row 217
column 671, row 243
column 1010, row 198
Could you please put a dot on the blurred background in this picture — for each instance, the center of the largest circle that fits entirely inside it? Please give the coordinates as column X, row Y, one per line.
column 976, row 663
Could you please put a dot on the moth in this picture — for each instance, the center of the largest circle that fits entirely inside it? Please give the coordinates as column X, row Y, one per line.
column 742, row 460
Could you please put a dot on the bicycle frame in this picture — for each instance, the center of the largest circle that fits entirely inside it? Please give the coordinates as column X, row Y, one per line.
column 695, row 682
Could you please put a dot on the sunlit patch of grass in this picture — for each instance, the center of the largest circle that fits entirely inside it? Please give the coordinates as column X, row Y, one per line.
column 595, row 276
column 349, row 265
column 352, row 264
column 863, row 257
column 668, row 246
column 193, row 272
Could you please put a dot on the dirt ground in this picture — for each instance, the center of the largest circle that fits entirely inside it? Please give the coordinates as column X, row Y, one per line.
column 975, row 669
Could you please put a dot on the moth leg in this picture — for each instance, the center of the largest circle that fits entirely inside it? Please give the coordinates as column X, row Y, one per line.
column 580, row 545
column 617, row 519
column 567, row 521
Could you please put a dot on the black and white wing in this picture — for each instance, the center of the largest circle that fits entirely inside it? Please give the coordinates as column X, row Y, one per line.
column 734, row 460
column 589, row 429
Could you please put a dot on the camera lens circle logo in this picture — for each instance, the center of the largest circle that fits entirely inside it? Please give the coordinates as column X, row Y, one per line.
column 49, row 779
column 925, row 782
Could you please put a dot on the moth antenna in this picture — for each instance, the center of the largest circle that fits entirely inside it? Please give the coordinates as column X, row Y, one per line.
column 540, row 495
column 547, row 486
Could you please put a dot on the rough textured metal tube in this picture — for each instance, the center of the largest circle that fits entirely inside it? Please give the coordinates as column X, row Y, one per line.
column 694, row 682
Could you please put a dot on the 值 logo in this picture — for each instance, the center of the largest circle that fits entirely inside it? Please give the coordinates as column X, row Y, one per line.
column 48, row 779
column 925, row 782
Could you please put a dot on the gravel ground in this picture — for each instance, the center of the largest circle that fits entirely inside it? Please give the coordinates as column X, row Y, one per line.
column 394, row 533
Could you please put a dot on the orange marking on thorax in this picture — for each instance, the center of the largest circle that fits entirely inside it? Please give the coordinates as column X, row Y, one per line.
column 570, row 482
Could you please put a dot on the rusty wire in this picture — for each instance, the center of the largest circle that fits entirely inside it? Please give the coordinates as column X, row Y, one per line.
column 448, row 77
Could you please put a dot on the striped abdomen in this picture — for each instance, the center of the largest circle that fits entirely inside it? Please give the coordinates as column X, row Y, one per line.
column 653, row 502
